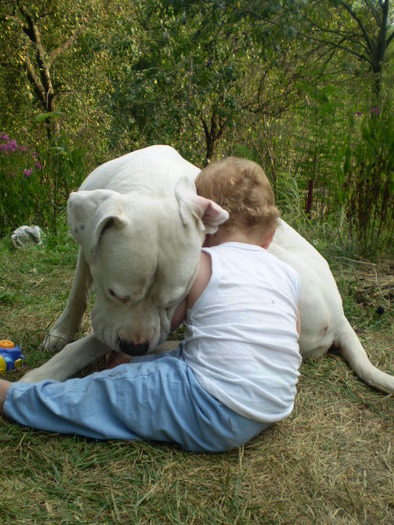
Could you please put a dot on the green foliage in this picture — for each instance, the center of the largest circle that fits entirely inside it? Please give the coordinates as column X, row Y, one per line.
column 275, row 81
column 19, row 183
column 366, row 181
column 35, row 183
column 63, row 171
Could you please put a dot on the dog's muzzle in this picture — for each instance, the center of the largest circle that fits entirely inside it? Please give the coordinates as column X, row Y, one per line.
column 129, row 348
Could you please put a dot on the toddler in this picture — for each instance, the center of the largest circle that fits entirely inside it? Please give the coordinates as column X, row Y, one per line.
column 236, row 371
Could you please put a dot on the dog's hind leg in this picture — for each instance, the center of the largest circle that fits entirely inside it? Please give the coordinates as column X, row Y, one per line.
column 66, row 327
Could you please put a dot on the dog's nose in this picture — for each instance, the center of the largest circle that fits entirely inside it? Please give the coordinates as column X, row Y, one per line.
column 129, row 348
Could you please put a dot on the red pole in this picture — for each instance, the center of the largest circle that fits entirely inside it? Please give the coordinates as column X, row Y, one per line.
column 310, row 198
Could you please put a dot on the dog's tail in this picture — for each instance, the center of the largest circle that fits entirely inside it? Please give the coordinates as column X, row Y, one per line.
column 353, row 352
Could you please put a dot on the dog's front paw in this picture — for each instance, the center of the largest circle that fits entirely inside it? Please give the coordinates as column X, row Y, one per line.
column 56, row 341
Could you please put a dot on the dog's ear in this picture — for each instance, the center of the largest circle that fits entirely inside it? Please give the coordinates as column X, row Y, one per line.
column 89, row 213
column 211, row 214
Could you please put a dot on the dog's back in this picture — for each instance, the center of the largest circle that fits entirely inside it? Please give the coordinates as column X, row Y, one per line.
column 156, row 168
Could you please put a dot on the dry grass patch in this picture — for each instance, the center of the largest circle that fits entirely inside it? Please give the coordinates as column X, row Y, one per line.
column 329, row 463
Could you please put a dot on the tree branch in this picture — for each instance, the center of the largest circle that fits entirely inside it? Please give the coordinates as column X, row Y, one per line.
column 374, row 12
column 35, row 81
column 360, row 25
column 31, row 30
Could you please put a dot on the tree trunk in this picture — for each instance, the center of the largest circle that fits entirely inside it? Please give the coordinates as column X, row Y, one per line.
column 212, row 135
column 38, row 71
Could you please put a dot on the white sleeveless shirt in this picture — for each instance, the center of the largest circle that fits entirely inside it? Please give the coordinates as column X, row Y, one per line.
column 240, row 336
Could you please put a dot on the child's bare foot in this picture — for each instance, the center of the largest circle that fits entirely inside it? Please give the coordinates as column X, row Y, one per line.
column 4, row 386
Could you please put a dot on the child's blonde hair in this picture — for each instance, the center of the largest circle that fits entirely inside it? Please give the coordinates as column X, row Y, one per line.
column 242, row 188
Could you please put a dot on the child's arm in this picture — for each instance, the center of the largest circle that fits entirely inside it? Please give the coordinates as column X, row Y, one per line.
column 179, row 315
column 202, row 279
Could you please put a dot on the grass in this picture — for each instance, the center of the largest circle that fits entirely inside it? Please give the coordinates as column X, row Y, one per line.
column 330, row 462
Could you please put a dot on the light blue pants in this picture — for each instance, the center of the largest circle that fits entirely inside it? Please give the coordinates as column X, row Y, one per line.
column 155, row 397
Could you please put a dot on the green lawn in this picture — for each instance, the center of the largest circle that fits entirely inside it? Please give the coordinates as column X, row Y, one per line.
column 330, row 462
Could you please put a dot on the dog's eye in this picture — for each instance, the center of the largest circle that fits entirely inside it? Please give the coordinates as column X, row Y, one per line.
column 123, row 300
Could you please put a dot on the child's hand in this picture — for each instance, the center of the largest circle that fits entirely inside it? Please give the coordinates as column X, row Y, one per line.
column 115, row 358
column 4, row 386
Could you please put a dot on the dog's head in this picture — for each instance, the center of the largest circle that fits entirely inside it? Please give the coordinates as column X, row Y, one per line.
column 143, row 252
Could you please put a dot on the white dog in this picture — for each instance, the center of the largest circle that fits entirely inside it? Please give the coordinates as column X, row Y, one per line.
column 141, row 226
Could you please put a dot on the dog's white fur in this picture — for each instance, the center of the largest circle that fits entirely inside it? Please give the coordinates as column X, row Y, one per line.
column 140, row 226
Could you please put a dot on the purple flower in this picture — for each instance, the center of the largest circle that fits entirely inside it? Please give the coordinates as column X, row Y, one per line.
column 4, row 137
column 11, row 146
column 23, row 148
column 375, row 110
column 358, row 114
column 37, row 165
column 28, row 172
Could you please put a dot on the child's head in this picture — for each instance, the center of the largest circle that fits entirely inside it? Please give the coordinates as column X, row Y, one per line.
column 241, row 187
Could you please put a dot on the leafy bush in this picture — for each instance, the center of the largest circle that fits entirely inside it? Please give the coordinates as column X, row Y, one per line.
column 366, row 181
column 20, row 169
column 35, row 183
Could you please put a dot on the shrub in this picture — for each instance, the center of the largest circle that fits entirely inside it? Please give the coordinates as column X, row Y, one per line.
column 366, row 182
column 20, row 178
column 35, row 183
